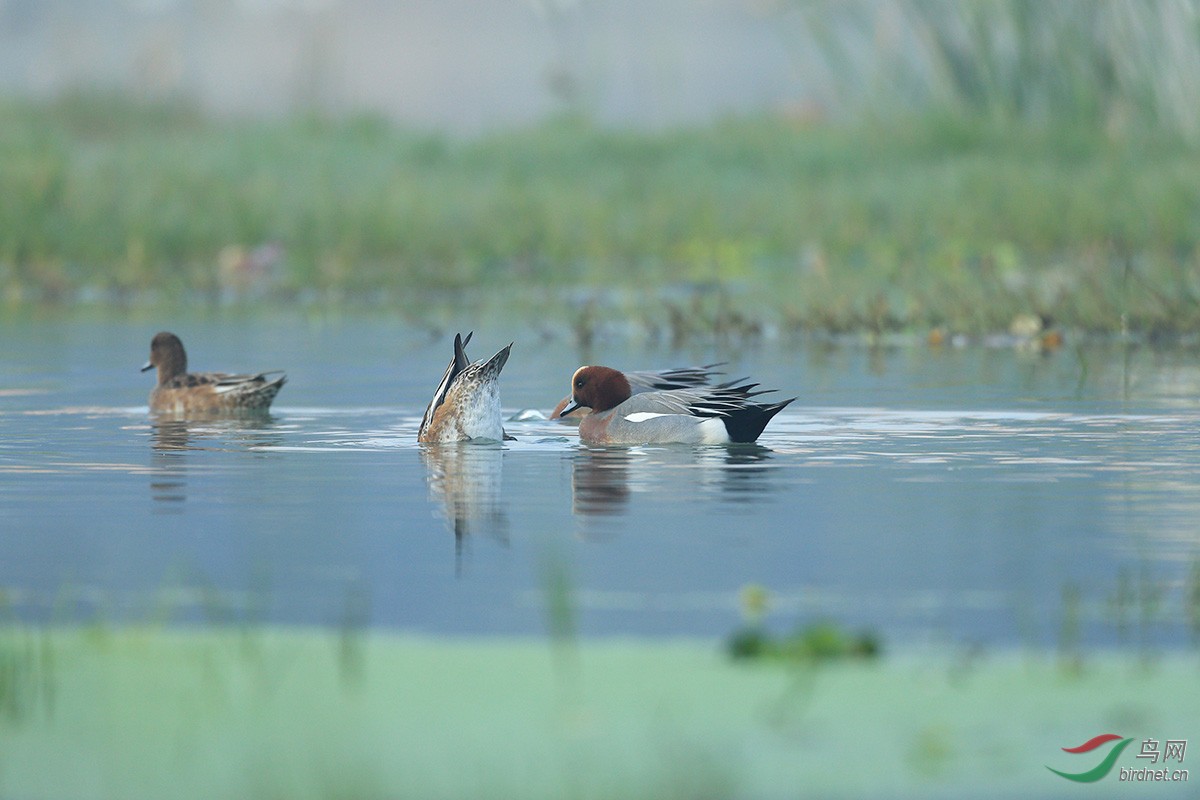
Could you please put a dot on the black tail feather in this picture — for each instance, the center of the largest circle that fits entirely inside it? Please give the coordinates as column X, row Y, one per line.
column 460, row 355
column 746, row 424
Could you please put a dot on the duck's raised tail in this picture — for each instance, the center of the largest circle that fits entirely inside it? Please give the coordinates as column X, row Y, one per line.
column 746, row 424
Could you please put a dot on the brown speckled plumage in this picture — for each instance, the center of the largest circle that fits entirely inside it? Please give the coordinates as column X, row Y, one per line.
column 466, row 404
column 181, row 392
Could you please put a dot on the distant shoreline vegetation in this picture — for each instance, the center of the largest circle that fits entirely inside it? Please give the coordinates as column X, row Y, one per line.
column 938, row 221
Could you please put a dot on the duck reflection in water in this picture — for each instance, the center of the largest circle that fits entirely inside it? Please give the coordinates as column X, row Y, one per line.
column 600, row 481
column 746, row 472
column 168, row 484
column 464, row 479
column 172, row 438
column 603, row 480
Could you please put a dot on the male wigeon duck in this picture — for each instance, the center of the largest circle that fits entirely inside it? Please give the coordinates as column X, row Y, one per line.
column 466, row 404
column 653, row 381
column 704, row 415
column 181, row 392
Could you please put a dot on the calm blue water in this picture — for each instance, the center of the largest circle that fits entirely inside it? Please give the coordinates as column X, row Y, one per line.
column 960, row 496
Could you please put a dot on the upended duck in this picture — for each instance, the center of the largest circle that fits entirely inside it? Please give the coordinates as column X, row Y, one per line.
column 466, row 404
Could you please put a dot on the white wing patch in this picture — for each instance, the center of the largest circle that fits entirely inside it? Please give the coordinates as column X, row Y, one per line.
column 642, row 416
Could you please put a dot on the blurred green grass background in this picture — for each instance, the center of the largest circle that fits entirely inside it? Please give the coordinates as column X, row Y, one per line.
column 150, row 712
column 1000, row 159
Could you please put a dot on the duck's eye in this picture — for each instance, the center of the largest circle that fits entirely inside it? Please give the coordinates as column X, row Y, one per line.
column 579, row 383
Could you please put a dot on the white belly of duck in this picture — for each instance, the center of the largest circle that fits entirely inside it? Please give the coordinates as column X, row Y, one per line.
column 477, row 414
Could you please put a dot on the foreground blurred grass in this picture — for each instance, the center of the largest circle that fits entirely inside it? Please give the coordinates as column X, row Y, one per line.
column 159, row 713
column 935, row 220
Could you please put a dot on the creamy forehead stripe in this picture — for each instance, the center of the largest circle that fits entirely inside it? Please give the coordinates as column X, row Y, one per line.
column 642, row 416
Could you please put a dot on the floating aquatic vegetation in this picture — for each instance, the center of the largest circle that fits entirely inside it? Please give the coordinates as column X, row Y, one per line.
column 812, row 642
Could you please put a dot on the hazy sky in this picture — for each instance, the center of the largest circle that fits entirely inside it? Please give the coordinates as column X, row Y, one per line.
column 462, row 64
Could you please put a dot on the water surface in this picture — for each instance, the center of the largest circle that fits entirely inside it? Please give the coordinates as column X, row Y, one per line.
column 978, row 495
